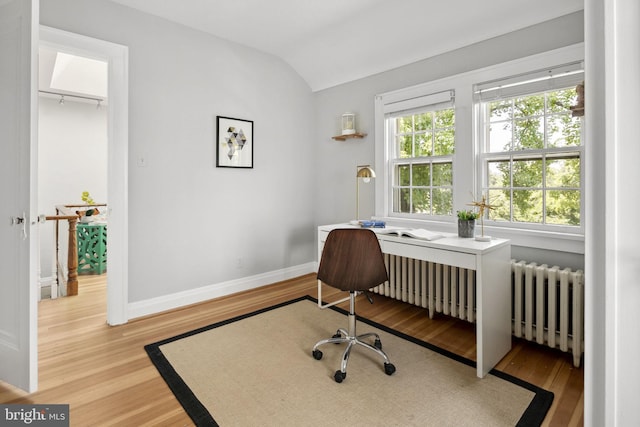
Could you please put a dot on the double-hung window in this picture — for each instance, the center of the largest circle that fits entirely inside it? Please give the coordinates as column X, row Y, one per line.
column 422, row 131
column 511, row 133
column 531, row 151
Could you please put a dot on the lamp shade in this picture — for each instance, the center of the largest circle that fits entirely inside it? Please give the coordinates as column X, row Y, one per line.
column 365, row 172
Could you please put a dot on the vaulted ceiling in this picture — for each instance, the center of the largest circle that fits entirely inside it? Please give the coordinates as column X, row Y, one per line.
column 329, row 42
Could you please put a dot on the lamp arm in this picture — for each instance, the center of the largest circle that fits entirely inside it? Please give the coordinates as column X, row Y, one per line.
column 357, row 199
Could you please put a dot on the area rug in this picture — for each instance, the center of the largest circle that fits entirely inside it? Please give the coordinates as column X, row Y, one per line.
column 257, row 370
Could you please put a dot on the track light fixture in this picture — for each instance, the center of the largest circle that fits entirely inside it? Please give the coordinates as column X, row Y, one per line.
column 61, row 101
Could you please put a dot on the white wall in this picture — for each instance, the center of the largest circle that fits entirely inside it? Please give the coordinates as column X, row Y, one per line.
column 191, row 224
column 336, row 185
column 72, row 158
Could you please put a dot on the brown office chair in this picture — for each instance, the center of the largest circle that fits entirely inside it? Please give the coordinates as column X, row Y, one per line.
column 352, row 261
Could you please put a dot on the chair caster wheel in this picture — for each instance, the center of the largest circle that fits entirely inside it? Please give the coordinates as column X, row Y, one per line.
column 337, row 335
column 389, row 369
column 378, row 344
column 317, row 354
column 339, row 376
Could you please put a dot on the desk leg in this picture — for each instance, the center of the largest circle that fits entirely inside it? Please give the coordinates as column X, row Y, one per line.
column 493, row 323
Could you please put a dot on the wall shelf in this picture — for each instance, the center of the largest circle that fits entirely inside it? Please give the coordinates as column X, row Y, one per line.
column 345, row 137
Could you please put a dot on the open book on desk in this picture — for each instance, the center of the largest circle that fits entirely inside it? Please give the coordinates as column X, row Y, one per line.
column 417, row 233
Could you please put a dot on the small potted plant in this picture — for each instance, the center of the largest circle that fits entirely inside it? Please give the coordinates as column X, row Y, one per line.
column 467, row 223
column 86, row 215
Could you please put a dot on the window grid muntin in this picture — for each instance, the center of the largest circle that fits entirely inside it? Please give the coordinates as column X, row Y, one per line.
column 398, row 188
column 402, row 159
column 549, row 112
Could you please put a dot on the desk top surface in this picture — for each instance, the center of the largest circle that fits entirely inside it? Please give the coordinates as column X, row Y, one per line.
column 449, row 241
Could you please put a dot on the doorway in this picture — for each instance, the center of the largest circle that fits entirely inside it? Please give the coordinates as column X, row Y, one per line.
column 72, row 162
column 116, row 58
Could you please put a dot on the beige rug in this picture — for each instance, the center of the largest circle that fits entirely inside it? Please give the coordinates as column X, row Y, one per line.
column 257, row 370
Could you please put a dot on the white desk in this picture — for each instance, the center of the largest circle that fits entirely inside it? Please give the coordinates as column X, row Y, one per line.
column 490, row 260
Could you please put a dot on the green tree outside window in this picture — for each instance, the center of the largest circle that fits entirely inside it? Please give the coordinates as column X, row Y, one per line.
column 423, row 184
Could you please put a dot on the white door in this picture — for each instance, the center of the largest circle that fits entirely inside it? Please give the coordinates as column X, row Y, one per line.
column 18, row 119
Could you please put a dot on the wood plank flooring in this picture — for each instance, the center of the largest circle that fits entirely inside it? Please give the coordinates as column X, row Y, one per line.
column 105, row 375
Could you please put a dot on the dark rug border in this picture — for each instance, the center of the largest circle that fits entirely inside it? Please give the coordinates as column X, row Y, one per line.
column 532, row 416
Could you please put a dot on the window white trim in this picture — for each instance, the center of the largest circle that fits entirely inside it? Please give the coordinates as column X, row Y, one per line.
column 465, row 180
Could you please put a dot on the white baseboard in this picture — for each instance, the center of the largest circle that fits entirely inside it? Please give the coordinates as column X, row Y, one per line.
column 194, row 296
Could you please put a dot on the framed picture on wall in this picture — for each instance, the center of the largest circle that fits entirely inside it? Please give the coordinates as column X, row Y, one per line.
column 234, row 143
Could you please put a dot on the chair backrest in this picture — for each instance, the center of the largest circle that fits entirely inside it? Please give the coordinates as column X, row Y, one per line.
column 352, row 260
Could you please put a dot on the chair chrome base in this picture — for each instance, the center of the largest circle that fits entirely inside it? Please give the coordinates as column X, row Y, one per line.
column 350, row 337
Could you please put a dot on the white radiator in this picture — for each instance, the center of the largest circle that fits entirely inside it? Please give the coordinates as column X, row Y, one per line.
column 548, row 306
column 547, row 296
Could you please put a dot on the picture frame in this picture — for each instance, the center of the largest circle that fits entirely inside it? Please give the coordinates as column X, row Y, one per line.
column 234, row 142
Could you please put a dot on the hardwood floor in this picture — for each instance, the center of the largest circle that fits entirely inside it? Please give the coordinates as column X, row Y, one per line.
column 105, row 376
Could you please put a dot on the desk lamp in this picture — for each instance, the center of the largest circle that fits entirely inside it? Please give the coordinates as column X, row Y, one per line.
column 366, row 173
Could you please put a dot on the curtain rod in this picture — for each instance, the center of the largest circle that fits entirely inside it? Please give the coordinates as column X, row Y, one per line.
column 72, row 96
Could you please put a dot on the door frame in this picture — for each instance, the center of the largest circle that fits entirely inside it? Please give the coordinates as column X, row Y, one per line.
column 117, row 57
